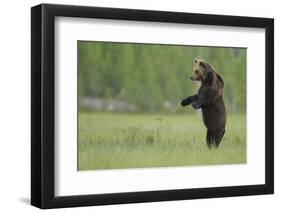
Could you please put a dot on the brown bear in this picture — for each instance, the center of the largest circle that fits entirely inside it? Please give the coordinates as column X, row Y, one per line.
column 210, row 99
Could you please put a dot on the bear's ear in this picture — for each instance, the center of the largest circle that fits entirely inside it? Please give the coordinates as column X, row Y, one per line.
column 195, row 60
column 202, row 64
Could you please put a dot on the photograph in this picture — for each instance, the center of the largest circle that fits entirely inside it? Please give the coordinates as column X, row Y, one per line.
column 144, row 105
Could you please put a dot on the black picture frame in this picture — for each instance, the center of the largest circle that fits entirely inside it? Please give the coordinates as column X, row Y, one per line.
column 43, row 102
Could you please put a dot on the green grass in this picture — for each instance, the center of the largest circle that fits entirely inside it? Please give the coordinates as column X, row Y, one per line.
column 111, row 141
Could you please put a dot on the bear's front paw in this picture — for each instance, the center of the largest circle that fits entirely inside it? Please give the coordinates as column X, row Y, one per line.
column 185, row 102
column 196, row 105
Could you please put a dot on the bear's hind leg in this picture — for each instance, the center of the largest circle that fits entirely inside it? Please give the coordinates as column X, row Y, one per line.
column 214, row 138
column 210, row 139
column 219, row 138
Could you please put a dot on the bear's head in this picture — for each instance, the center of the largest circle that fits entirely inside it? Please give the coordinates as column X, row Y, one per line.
column 201, row 70
column 204, row 72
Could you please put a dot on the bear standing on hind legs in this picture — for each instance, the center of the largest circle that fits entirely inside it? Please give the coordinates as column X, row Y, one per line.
column 210, row 99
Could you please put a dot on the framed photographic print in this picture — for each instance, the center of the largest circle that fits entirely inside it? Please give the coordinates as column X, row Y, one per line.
column 139, row 106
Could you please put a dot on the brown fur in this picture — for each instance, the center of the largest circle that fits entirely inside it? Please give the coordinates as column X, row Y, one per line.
column 210, row 99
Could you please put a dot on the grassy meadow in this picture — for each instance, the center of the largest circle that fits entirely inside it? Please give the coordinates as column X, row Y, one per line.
column 122, row 140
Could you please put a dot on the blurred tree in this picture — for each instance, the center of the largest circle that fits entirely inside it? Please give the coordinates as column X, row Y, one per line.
column 155, row 77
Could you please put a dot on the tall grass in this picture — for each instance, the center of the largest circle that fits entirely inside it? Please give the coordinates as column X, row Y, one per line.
column 111, row 141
